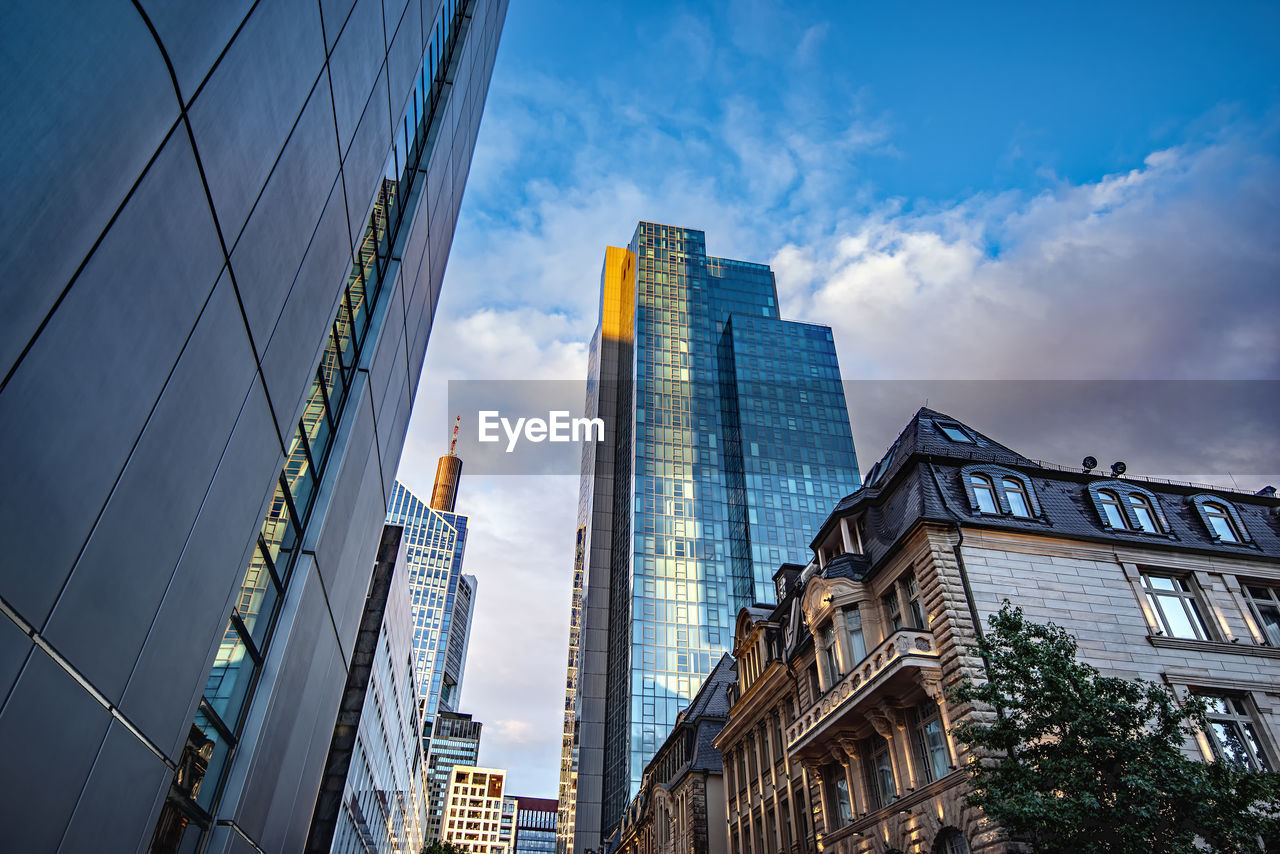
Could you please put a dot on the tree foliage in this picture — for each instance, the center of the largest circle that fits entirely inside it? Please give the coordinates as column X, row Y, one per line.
column 1080, row 762
column 437, row 846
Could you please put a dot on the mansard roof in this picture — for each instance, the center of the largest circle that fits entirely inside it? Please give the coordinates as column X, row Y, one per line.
column 922, row 478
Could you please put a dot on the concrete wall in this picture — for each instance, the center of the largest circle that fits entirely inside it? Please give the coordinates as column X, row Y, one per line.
column 184, row 186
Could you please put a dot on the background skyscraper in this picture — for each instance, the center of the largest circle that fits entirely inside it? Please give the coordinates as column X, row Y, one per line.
column 374, row 792
column 455, row 741
column 441, row 598
column 738, row 439
column 229, row 223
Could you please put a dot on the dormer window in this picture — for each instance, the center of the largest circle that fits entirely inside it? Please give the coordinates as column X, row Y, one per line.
column 1016, row 494
column 1112, row 512
column 1221, row 519
column 954, row 432
column 998, row 491
column 984, row 493
column 1127, row 507
column 1220, row 523
column 1144, row 513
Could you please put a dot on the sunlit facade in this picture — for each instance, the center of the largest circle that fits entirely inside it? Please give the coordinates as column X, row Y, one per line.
column 726, row 432
column 473, row 818
column 436, row 542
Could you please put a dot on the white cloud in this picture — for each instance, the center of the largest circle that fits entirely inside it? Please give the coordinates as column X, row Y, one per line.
column 1165, row 270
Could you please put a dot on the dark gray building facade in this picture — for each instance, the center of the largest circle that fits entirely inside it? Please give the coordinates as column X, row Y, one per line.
column 225, row 231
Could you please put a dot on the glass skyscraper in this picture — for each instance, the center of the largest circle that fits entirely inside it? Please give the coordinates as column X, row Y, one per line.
column 455, row 741
column 727, row 437
column 440, row 596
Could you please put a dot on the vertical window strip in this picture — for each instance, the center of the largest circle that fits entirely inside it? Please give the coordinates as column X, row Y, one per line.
column 247, row 634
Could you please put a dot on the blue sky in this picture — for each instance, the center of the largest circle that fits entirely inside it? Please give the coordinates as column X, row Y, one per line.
column 998, row 191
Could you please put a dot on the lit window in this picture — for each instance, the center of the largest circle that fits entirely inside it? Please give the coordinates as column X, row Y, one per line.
column 1144, row 512
column 984, row 493
column 1016, row 494
column 881, row 784
column 931, row 743
column 829, row 650
column 853, row 624
column 955, row 432
column 1264, row 602
column 1233, row 735
column 892, row 610
column 1173, row 603
column 951, row 841
column 1220, row 523
column 838, row 794
column 905, row 594
column 1111, row 510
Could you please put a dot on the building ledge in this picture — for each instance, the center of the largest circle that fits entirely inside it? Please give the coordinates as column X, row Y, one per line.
column 902, row 804
column 1240, row 648
column 905, row 649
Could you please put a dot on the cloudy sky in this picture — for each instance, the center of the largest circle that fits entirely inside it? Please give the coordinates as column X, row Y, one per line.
column 1059, row 224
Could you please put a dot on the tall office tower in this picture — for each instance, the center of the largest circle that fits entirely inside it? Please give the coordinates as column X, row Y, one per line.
column 727, row 437
column 230, row 222
column 455, row 741
column 373, row 796
column 442, row 597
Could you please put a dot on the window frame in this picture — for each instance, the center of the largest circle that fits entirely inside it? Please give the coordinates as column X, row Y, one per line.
column 1014, row 486
column 980, row 483
column 1227, row 512
column 922, row 716
column 1119, row 495
column 993, row 479
column 961, row 437
column 1254, row 603
column 1189, row 595
column 1238, row 713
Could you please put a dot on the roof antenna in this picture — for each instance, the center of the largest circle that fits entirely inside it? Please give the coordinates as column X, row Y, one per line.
column 1233, row 481
column 453, row 443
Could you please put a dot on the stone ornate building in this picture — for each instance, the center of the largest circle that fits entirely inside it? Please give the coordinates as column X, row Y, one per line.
column 839, row 735
column 680, row 806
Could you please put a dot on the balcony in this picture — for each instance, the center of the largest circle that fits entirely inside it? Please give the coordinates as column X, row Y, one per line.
column 898, row 663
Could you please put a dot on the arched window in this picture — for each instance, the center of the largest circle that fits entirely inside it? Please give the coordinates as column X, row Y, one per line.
column 984, row 493
column 1112, row 512
column 950, row 841
column 829, row 650
column 1220, row 523
column 1144, row 512
column 1016, row 494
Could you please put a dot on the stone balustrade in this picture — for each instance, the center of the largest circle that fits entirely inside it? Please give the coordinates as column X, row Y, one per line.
column 903, row 648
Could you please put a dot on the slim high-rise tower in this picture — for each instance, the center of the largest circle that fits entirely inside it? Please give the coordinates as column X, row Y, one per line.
column 225, row 231
column 727, row 439
column 442, row 597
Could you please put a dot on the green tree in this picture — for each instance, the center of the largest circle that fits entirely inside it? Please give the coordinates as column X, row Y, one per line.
column 437, row 846
column 1075, row 761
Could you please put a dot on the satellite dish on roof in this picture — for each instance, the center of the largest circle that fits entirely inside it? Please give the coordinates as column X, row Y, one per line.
column 1118, row 468
column 1090, row 463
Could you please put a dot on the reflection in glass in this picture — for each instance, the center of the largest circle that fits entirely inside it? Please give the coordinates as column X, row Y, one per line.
column 1016, row 494
column 1146, row 514
column 229, row 680
column 1173, row 604
column 1111, row 511
column 1220, row 522
column 1265, row 602
column 984, row 493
